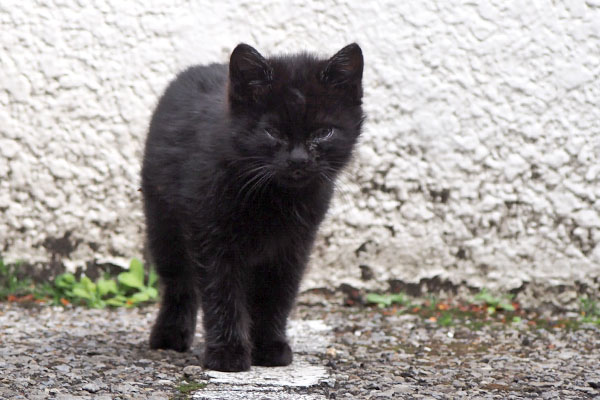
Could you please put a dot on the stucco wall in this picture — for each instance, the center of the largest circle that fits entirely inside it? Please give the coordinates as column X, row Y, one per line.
column 480, row 158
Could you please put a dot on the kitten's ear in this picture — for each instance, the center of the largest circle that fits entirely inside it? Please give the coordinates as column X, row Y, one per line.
column 345, row 68
column 250, row 75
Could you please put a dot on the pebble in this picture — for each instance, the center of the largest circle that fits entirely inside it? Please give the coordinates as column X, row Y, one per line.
column 91, row 387
column 63, row 368
column 193, row 371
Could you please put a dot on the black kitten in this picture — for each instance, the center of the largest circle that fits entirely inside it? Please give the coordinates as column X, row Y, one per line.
column 238, row 172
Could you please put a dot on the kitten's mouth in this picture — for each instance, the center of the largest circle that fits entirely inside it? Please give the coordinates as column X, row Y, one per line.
column 295, row 179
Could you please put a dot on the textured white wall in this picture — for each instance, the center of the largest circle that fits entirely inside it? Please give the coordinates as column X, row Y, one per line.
column 480, row 159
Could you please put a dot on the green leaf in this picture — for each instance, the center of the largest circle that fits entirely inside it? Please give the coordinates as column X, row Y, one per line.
column 493, row 302
column 137, row 268
column 88, row 284
column 114, row 302
column 445, row 319
column 64, row 281
column 152, row 278
column 152, row 292
column 381, row 301
column 486, row 297
column 385, row 300
column 398, row 298
column 106, row 286
column 129, row 280
column 117, row 301
column 140, row 297
column 3, row 268
column 80, row 291
column 506, row 306
column 96, row 303
column 134, row 278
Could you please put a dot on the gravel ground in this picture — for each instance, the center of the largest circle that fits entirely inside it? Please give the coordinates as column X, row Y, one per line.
column 358, row 353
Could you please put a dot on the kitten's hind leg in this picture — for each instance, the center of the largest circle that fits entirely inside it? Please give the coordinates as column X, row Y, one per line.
column 176, row 322
column 273, row 292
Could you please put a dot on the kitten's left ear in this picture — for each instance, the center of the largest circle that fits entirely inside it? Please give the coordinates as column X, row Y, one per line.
column 345, row 68
column 250, row 75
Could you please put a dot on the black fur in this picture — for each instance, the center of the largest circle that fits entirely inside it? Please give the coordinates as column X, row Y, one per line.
column 238, row 172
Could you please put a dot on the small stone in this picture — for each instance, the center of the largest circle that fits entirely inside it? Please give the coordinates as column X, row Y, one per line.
column 91, row 387
column 63, row 368
column 551, row 394
column 125, row 388
column 193, row 371
column 331, row 352
column 583, row 389
column 541, row 384
column 158, row 397
column 64, row 396
column 329, row 382
column 595, row 384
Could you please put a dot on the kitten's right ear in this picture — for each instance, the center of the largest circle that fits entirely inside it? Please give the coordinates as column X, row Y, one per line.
column 344, row 70
column 345, row 67
column 250, row 75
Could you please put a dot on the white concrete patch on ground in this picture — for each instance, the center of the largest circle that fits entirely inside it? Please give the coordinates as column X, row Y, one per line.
column 298, row 374
column 307, row 339
column 250, row 394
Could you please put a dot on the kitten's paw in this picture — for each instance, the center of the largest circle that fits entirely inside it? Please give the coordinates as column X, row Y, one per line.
column 232, row 358
column 172, row 337
column 273, row 354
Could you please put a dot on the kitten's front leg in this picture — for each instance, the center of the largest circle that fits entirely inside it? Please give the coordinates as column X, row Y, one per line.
column 273, row 292
column 226, row 319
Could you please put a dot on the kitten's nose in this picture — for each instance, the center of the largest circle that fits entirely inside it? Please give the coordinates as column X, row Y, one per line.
column 298, row 157
column 297, row 161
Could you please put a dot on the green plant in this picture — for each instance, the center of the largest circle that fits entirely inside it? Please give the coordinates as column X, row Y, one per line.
column 494, row 303
column 188, row 387
column 128, row 290
column 446, row 319
column 432, row 302
column 589, row 310
column 134, row 280
column 185, row 388
column 386, row 300
column 10, row 284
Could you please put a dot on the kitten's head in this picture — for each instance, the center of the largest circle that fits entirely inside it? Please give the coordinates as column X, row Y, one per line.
column 296, row 117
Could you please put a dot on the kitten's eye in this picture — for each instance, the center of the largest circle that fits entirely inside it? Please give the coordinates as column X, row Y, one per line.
column 323, row 134
column 272, row 133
